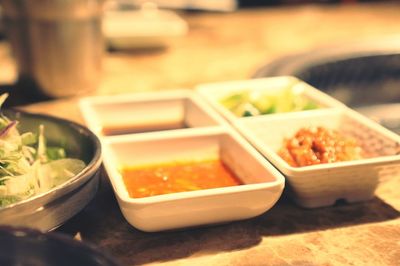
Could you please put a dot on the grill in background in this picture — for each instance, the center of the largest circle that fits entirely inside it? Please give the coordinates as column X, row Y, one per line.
column 364, row 76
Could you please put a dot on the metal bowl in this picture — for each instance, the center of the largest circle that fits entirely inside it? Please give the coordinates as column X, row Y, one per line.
column 51, row 209
column 22, row 246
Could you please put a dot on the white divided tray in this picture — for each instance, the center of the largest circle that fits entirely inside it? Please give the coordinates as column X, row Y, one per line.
column 159, row 114
column 164, row 127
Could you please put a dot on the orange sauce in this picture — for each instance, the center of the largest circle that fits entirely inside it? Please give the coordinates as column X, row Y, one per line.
column 318, row 145
column 177, row 177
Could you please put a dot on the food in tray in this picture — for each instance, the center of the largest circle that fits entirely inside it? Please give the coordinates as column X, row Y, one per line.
column 28, row 166
column 175, row 177
column 259, row 102
column 318, row 145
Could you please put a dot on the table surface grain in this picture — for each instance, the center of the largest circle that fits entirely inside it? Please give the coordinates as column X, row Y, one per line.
column 231, row 46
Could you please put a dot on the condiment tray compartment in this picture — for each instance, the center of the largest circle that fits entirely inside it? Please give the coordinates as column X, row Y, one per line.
column 270, row 96
column 261, row 188
column 146, row 112
column 323, row 184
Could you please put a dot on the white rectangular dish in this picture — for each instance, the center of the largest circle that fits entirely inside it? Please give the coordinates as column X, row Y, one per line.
column 264, row 96
column 145, row 112
column 262, row 183
column 324, row 184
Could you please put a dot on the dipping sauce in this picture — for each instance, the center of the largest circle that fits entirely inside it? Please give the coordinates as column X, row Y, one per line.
column 177, row 177
column 318, row 145
column 141, row 126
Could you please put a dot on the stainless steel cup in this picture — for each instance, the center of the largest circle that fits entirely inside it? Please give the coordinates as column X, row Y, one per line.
column 58, row 44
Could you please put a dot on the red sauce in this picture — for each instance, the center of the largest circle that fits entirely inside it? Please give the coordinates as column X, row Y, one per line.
column 177, row 177
column 317, row 145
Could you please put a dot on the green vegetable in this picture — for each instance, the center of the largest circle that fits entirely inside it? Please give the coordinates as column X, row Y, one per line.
column 55, row 153
column 253, row 102
column 27, row 165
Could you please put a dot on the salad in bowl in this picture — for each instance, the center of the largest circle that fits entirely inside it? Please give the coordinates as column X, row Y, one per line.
column 27, row 165
column 48, row 168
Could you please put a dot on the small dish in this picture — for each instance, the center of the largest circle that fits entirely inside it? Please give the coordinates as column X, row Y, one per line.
column 262, row 183
column 50, row 209
column 324, row 184
column 24, row 246
column 144, row 28
column 145, row 112
column 275, row 87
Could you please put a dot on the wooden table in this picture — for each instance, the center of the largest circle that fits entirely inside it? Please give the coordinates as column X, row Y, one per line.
column 229, row 46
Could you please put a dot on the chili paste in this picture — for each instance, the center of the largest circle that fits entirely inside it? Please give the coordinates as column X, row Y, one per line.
column 177, row 177
column 318, row 145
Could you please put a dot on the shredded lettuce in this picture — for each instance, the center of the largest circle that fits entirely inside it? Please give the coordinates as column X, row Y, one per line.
column 28, row 166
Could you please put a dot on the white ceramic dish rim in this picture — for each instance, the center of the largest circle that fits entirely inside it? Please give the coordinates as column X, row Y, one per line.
column 91, row 116
column 300, row 171
column 122, row 194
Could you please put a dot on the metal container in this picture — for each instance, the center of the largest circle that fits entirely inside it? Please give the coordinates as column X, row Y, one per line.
column 58, row 44
column 52, row 208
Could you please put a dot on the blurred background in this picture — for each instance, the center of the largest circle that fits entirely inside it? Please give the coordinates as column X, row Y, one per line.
column 347, row 48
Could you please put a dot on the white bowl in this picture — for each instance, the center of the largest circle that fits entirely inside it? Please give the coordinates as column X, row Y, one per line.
column 143, row 28
column 324, row 184
column 215, row 92
column 262, row 187
column 150, row 111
